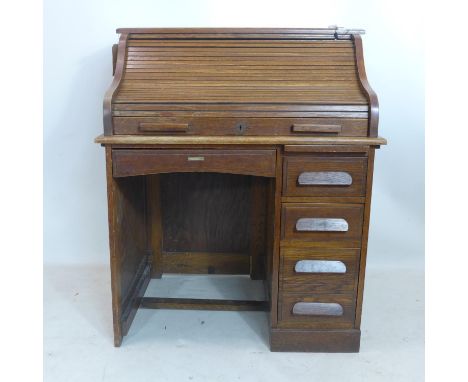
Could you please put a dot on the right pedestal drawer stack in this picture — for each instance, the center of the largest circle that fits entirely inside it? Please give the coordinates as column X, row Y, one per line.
column 323, row 233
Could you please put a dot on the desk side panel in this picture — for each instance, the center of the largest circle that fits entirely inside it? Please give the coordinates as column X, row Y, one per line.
column 365, row 237
column 130, row 268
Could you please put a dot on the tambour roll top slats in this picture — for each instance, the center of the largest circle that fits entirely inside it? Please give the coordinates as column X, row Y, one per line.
column 232, row 73
column 257, row 71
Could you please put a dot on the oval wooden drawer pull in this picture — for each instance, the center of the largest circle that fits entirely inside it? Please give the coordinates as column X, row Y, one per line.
column 156, row 127
column 317, row 309
column 325, row 178
column 320, row 266
column 315, row 128
column 322, row 225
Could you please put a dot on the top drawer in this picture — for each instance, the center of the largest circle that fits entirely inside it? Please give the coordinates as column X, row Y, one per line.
column 324, row 176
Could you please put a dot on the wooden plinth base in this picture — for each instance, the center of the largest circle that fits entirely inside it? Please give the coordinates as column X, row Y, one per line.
column 320, row 341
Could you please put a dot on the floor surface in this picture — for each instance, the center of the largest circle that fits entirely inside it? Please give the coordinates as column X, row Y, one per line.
column 174, row 345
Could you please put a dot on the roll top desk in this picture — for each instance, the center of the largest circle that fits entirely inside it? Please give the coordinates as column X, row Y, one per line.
column 249, row 152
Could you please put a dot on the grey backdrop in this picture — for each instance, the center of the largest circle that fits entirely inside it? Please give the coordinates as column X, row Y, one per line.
column 77, row 70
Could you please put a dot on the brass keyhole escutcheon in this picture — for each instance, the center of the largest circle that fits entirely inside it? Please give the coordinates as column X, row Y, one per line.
column 240, row 128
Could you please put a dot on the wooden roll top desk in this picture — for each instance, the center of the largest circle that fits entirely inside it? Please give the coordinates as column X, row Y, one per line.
column 249, row 152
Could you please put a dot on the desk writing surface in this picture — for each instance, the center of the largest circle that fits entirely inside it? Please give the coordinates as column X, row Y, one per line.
column 233, row 140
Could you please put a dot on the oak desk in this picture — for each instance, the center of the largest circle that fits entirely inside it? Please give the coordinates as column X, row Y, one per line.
column 243, row 151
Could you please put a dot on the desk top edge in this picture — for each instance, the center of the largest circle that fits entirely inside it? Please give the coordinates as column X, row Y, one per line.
column 235, row 140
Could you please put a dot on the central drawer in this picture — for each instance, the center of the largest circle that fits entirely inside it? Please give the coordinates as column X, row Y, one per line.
column 132, row 162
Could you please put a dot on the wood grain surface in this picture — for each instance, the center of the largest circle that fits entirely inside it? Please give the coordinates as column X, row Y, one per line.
column 147, row 162
column 296, row 166
column 316, row 283
column 351, row 238
column 290, row 320
column 243, row 151
column 239, row 140
column 206, row 213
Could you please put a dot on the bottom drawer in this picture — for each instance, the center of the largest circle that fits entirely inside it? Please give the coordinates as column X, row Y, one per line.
column 328, row 311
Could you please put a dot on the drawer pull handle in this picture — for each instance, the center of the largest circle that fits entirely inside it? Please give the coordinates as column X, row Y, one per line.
column 321, row 225
column 327, row 178
column 195, row 159
column 319, row 266
column 157, row 127
column 314, row 128
column 317, row 309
